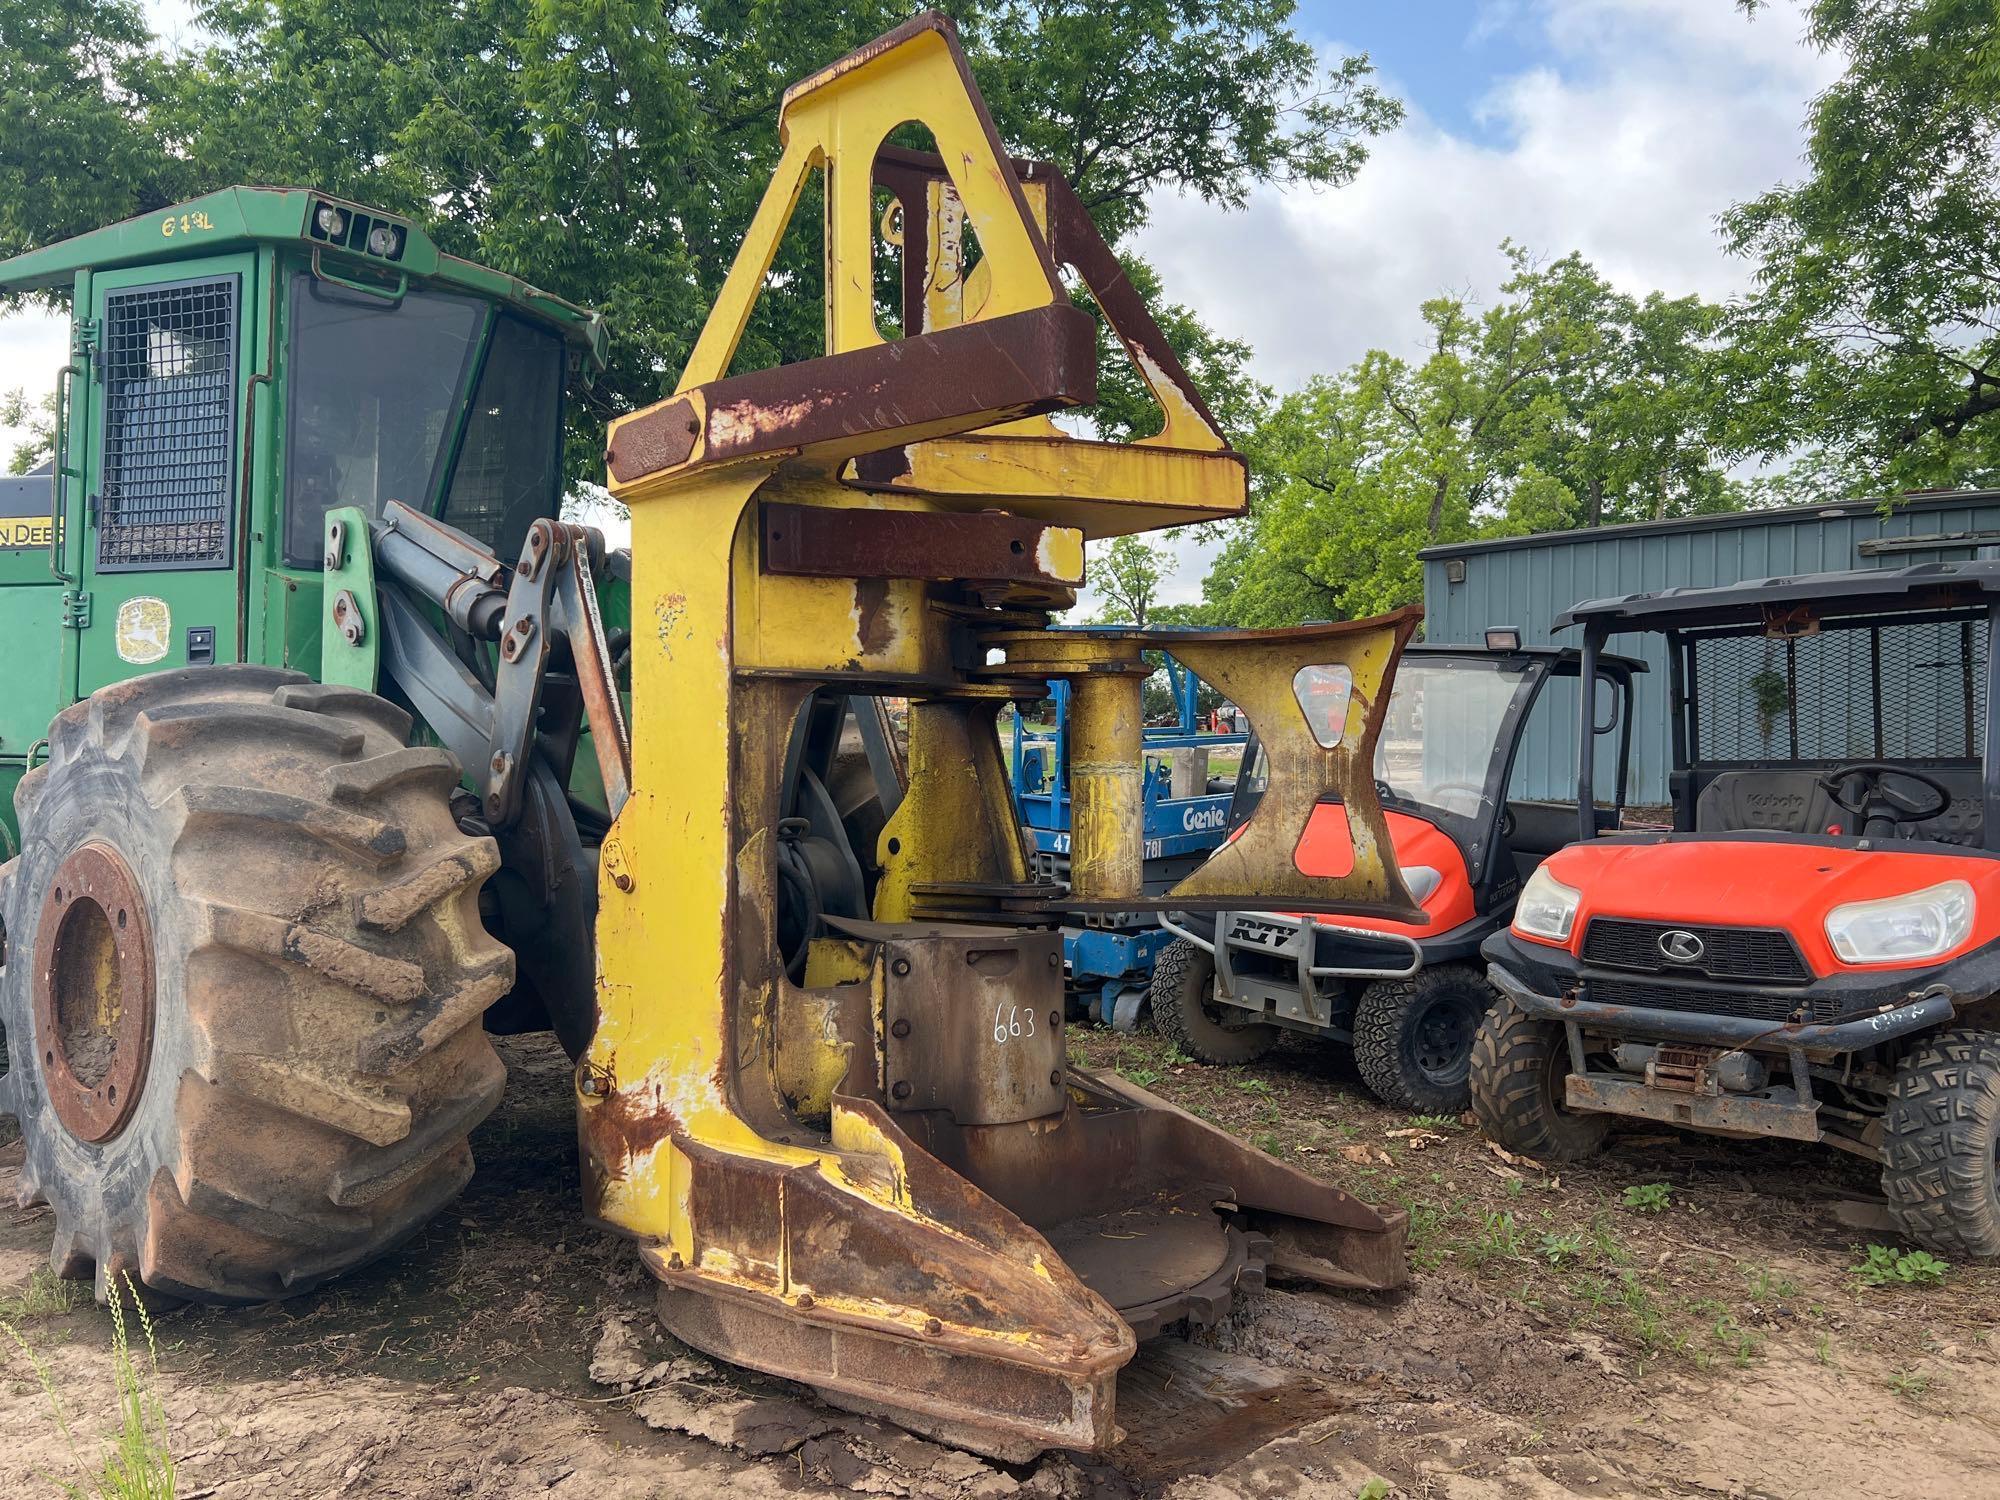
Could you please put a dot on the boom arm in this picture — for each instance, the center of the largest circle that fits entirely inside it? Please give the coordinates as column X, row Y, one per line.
column 550, row 597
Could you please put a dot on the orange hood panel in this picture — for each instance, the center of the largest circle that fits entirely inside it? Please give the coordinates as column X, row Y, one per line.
column 1753, row 882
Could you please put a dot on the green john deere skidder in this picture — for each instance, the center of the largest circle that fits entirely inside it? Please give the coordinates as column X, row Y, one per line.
column 274, row 399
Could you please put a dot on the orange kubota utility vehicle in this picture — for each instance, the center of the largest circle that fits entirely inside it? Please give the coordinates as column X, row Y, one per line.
column 1814, row 952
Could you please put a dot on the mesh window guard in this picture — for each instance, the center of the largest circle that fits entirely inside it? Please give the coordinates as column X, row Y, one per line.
column 169, row 426
column 1872, row 689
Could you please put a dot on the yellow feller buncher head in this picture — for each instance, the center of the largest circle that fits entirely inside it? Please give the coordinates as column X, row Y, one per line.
column 871, row 1168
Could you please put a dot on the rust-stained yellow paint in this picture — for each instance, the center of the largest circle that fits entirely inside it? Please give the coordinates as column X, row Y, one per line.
column 720, row 1105
column 838, row 119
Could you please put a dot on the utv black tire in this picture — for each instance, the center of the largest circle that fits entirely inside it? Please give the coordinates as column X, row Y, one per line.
column 1518, row 1067
column 1413, row 1037
column 294, row 879
column 1939, row 1168
column 1184, row 1010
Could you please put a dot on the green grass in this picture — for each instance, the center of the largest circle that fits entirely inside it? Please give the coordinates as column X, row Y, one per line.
column 1499, row 1239
column 1766, row 1285
column 133, row 1461
column 1647, row 1197
column 1605, row 1244
column 1740, row 1342
column 1911, row 1385
column 46, row 1295
column 1884, row 1266
column 1559, row 1248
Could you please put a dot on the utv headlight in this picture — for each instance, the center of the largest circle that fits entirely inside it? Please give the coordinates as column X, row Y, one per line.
column 1423, row 881
column 1903, row 929
column 1547, row 908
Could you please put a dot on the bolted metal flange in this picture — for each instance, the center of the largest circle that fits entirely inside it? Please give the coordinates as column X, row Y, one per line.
column 93, row 986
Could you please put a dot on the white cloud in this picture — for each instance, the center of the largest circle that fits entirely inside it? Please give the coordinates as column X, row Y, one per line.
column 1642, row 121
column 32, row 347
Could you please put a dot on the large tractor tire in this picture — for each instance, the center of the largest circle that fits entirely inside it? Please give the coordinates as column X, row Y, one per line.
column 1941, row 1145
column 243, row 980
column 1182, row 998
column 1520, row 1069
column 1413, row 1037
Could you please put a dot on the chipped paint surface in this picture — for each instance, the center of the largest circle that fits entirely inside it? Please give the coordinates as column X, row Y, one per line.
column 782, row 1152
column 1060, row 553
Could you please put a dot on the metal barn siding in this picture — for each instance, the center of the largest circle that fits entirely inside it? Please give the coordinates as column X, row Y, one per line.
column 1525, row 580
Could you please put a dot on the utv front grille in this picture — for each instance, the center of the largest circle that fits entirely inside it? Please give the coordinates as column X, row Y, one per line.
column 169, row 360
column 1755, row 1005
column 1763, row 955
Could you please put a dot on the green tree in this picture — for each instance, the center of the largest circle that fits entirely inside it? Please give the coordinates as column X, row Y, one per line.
column 37, row 418
column 1871, row 345
column 78, row 146
column 1564, row 403
column 1219, row 367
column 1631, row 423
column 1209, row 96
column 613, row 151
column 1127, row 572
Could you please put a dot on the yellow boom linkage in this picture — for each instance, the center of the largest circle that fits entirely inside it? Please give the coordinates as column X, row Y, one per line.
column 876, row 1173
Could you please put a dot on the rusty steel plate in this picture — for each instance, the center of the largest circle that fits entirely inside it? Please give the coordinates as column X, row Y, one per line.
column 1021, row 364
column 817, row 541
column 93, row 992
column 1165, row 1258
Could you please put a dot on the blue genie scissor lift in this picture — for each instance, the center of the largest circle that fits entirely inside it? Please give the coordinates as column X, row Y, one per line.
column 1110, row 955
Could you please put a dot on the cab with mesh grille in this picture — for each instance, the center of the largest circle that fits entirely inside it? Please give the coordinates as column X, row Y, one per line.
column 1824, row 914
column 239, row 365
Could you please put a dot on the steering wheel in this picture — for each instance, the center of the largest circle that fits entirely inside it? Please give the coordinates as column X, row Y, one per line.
column 1879, row 801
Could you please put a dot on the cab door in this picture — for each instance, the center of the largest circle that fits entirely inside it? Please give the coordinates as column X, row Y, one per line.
column 161, row 510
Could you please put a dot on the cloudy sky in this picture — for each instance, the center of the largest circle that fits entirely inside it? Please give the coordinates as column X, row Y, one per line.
column 1620, row 128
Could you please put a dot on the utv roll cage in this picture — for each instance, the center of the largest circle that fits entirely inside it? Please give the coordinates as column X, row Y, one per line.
column 1817, row 671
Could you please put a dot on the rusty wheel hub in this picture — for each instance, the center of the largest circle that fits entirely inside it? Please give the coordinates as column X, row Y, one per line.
column 93, row 984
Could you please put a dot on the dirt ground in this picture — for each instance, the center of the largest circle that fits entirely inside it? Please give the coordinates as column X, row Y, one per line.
column 1710, row 1338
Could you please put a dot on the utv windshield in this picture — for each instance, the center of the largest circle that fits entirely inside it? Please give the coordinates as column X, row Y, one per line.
column 378, row 399
column 1441, row 746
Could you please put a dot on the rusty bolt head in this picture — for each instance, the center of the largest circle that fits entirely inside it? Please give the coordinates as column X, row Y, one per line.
column 622, row 880
column 674, row 1261
column 900, row 1029
column 1055, row 1078
column 590, row 1086
column 900, row 967
column 803, row 1301
column 524, row 626
column 900, row 1089
column 1055, row 1019
column 1055, row 960
column 933, row 1327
